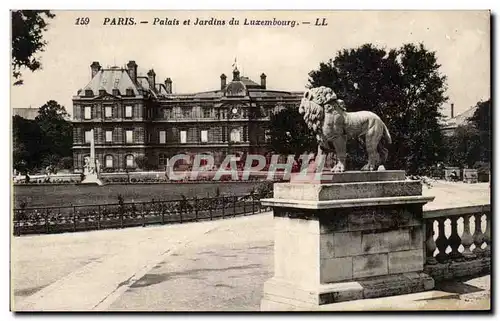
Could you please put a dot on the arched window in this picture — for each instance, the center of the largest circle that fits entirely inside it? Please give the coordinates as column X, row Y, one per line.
column 235, row 135
column 109, row 161
column 129, row 161
column 162, row 159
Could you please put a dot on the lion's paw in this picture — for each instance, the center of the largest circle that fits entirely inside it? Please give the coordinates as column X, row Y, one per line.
column 339, row 168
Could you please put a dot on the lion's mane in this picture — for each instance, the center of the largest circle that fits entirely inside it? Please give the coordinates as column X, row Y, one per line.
column 312, row 105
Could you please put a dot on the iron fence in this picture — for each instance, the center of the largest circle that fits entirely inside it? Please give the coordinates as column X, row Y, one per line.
column 59, row 219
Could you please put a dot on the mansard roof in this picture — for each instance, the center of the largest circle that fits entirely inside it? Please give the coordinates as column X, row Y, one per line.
column 460, row 119
column 114, row 78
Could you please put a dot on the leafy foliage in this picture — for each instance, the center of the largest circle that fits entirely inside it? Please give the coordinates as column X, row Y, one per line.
column 481, row 120
column 463, row 146
column 289, row 134
column 44, row 141
column 404, row 87
column 470, row 143
column 27, row 39
column 142, row 162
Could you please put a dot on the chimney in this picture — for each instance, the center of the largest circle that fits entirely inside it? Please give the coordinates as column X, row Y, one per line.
column 95, row 67
column 151, row 79
column 132, row 70
column 223, row 81
column 236, row 74
column 263, row 80
column 452, row 109
column 168, row 85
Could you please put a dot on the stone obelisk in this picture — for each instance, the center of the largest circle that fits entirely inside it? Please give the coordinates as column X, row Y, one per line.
column 92, row 176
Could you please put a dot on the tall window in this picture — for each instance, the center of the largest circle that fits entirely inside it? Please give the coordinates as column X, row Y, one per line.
column 163, row 137
column 183, row 136
column 129, row 161
column 88, row 112
column 129, row 136
column 109, row 161
column 109, row 136
column 88, row 136
column 235, row 135
column 204, row 136
column 162, row 159
column 245, row 133
column 128, row 111
column 224, row 134
column 108, row 111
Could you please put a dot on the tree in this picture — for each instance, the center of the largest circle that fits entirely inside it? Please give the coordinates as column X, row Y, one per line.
column 464, row 146
column 27, row 139
column 57, row 132
column 289, row 134
column 481, row 120
column 404, row 87
column 27, row 39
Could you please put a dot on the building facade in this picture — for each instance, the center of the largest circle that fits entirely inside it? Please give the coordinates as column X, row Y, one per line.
column 135, row 117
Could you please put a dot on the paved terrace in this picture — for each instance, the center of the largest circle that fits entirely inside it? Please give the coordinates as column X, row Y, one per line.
column 207, row 266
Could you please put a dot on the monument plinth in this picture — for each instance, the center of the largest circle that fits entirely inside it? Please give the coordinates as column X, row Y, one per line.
column 91, row 167
column 353, row 236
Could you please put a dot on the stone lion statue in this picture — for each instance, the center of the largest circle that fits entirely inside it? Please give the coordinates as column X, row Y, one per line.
column 327, row 117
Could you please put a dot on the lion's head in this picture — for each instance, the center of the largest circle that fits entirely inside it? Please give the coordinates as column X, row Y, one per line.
column 312, row 106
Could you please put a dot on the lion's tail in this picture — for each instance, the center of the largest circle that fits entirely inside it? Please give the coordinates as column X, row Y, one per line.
column 387, row 136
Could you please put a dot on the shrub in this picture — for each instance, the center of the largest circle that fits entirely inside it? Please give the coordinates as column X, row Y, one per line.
column 141, row 161
column 66, row 162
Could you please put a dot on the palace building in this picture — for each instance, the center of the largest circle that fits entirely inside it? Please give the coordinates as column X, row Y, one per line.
column 134, row 116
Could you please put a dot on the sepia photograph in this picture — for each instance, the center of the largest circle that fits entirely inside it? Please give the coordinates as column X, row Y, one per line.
column 250, row 160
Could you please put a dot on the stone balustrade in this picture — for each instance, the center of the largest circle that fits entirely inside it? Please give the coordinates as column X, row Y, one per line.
column 458, row 242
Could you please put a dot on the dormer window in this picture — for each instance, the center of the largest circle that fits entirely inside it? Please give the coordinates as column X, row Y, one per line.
column 130, row 92
column 89, row 93
column 102, row 92
column 116, row 92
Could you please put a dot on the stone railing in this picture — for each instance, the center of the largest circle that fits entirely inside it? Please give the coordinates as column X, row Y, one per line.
column 458, row 242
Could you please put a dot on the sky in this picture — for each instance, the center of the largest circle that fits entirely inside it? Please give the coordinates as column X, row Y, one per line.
column 195, row 56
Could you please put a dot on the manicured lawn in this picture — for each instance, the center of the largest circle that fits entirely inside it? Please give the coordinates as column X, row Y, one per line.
column 65, row 195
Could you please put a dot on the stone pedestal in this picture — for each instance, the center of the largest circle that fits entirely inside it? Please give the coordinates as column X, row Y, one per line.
column 92, row 179
column 354, row 235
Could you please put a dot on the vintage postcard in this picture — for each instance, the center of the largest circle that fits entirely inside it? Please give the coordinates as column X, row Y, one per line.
column 250, row 160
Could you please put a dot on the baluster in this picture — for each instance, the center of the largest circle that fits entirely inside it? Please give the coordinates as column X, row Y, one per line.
column 478, row 235
column 74, row 219
column 487, row 235
column 196, row 205
column 143, row 214
column 454, row 240
column 47, row 225
column 441, row 242
column 253, row 201
column 162, row 209
column 430, row 244
column 467, row 239
column 223, row 207
column 234, row 205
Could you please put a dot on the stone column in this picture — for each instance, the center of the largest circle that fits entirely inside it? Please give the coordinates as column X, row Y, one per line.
column 91, row 177
column 353, row 236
